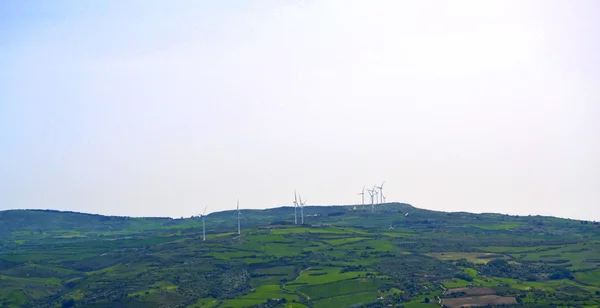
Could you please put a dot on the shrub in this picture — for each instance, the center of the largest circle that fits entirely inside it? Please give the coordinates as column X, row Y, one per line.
column 68, row 303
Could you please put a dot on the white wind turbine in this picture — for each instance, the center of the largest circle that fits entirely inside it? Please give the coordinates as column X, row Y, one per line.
column 375, row 193
column 372, row 194
column 363, row 197
column 239, row 216
column 295, row 208
column 203, row 224
column 380, row 192
column 301, row 208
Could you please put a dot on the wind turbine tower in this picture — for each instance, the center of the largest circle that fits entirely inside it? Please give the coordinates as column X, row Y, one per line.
column 295, row 208
column 363, row 197
column 302, row 208
column 380, row 192
column 239, row 215
column 203, row 224
column 372, row 194
column 375, row 193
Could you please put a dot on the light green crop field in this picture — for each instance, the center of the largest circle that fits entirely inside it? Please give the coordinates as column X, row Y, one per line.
column 475, row 257
column 519, row 250
column 589, row 277
column 380, row 245
column 205, row 303
column 470, row 271
column 260, row 295
column 578, row 256
column 326, row 230
column 347, row 300
column 338, row 288
column 321, row 276
column 342, row 241
column 503, row 226
column 399, row 234
column 293, row 305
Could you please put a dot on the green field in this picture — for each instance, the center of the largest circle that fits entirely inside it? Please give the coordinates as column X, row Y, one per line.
column 589, row 277
column 318, row 276
column 341, row 257
column 260, row 295
column 503, row 226
column 475, row 257
column 347, row 300
column 339, row 288
column 342, row 241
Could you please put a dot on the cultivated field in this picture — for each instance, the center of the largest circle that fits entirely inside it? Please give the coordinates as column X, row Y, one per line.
column 474, row 301
column 471, row 291
column 475, row 257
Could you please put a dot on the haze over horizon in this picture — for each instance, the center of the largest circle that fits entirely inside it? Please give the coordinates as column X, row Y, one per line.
column 149, row 108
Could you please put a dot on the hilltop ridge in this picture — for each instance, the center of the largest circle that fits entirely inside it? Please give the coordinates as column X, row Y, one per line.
column 14, row 222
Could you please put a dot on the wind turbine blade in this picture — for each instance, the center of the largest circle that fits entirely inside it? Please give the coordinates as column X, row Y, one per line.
column 204, row 210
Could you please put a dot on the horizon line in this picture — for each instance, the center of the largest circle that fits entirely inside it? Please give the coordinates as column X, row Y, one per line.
column 291, row 206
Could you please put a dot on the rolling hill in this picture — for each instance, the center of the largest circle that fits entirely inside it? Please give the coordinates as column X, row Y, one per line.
column 342, row 256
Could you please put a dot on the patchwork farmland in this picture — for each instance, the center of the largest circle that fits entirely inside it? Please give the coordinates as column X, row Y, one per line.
column 341, row 257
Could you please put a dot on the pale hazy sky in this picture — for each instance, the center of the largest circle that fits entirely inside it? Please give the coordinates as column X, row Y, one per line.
column 158, row 108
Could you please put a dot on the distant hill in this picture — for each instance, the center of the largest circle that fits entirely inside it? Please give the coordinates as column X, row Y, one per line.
column 15, row 222
column 342, row 256
column 51, row 220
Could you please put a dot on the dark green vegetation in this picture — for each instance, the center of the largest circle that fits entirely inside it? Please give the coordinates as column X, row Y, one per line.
column 343, row 256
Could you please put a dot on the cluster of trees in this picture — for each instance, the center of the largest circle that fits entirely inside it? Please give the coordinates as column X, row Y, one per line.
column 463, row 276
column 351, row 268
column 220, row 283
column 523, row 271
column 271, row 303
column 417, row 268
column 68, row 303
column 559, row 297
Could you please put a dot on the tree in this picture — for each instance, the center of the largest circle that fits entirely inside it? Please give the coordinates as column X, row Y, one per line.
column 427, row 300
column 68, row 303
column 561, row 273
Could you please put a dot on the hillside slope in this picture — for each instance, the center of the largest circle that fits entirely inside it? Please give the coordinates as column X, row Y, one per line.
column 341, row 256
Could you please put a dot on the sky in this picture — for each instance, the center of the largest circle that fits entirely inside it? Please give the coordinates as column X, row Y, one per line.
column 160, row 108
